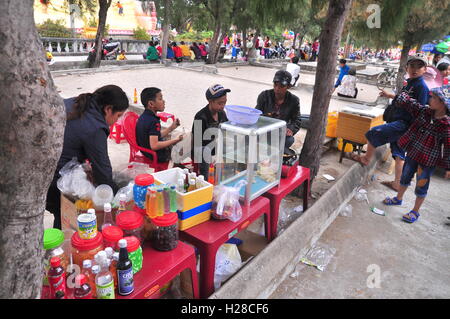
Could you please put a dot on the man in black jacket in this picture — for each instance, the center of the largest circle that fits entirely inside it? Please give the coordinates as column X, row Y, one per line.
column 281, row 104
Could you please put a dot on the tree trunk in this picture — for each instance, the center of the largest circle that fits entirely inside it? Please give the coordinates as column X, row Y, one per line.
column 244, row 43
column 166, row 29
column 32, row 120
column 102, row 14
column 329, row 44
column 403, row 60
column 214, row 48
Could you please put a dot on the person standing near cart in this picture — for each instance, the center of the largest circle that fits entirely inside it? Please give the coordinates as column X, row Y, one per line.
column 89, row 117
column 281, row 104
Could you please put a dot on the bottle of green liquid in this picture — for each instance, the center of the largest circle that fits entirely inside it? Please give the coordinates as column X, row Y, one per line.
column 173, row 198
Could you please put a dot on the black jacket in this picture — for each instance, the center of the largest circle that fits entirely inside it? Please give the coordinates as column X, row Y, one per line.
column 87, row 138
column 289, row 111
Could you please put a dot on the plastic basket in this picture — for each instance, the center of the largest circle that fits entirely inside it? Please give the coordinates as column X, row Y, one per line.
column 242, row 114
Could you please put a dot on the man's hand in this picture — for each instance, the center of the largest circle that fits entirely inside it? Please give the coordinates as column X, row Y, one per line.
column 383, row 93
column 180, row 138
column 175, row 124
column 289, row 132
column 447, row 174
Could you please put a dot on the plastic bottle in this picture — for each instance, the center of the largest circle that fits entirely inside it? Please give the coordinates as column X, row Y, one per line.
column 160, row 202
column 180, row 186
column 191, row 185
column 173, row 199
column 151, row 204
column 211, row 174
column 95, row 272
column 166, row 199
column 113, row 268
column 200, row 182
column 122, row 204
column 87, row 271
column 57, row 279
column 104, row 280
column 107, row 216
column 124, row 271
column 83, row 290
column 109, row 252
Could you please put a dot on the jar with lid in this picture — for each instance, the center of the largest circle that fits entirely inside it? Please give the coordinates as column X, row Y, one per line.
column 83, row 249
column 53, row 245
column 134, row 252
column 111, row 236
column 141, row 183
column 165, row 235
column 132, row 224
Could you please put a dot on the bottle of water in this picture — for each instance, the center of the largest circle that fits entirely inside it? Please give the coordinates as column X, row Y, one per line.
column 104, row 280
column 107, row 216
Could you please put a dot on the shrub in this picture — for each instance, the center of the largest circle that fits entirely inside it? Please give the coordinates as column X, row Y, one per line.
column 54, row 29
column 141, row 34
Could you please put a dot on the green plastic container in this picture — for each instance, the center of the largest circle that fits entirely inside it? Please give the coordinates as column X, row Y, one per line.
column 134, row 253
column 53, row 241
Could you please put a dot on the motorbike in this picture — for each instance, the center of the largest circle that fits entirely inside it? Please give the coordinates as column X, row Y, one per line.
column 109, row 51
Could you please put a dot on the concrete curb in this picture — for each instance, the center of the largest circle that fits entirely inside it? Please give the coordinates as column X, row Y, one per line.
column 265, row 272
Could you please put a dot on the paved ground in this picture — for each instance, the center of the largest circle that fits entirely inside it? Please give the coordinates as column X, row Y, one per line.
column 412, row 261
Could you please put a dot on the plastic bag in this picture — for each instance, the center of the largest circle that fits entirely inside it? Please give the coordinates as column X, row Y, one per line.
column 125, row 176
column 228, row 262
column 319, row 256
column 74, row 181
column 227, row 199
column 127, row 190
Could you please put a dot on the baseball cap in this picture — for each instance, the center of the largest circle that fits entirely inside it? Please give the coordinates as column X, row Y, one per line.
column 283, row 77
column 444, row 94
column 418, row 57
column 216, row 91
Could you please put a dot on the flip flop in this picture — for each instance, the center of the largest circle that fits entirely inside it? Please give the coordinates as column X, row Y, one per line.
column 392, row 201
column 411, row 217
column 390, row 185
column 357, row 158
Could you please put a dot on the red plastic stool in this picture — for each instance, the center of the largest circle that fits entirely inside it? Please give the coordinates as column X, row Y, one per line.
column 116, row 133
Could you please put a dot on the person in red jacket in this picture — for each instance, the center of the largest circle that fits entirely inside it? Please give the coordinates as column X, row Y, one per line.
column 203, row 52
column 177, row 52
column 427, row 143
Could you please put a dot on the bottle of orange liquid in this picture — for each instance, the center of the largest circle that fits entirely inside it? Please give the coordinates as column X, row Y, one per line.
column 211, row 174
column 150, row 202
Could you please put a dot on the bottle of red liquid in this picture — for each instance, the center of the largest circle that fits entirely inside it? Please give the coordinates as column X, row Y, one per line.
column 82, row 290
column 57, row 279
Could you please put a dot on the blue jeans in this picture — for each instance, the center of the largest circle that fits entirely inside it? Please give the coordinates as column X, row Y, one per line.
column 388, row 133
column 424, row 174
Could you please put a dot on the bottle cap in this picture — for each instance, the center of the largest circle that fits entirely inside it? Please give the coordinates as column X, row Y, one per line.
column 122, row 243
column 87, row 263
column 55, row 262
column 91, row 211
column 53, row 238
column 107, row 207
column 80, row 280
column 95, row 269
column 102, row 255
column 109, row 252
column 173, row 187
column 116, row 256
column 192, row 181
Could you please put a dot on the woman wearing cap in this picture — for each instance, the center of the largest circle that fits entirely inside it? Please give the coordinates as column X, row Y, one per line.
column 208, row 117
column 281, row 104
column 89, row 117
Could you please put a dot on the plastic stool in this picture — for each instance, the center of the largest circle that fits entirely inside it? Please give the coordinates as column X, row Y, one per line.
column 116, row 133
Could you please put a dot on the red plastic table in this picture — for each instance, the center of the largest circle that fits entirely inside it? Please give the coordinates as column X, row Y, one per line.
column 286, row 186
column 161, row 267
column 210, row 235
column 157, row 270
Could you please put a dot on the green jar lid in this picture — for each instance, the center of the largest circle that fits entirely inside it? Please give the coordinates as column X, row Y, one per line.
column 53, row 238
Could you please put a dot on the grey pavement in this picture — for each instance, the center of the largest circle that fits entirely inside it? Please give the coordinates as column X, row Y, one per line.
column 382, row 256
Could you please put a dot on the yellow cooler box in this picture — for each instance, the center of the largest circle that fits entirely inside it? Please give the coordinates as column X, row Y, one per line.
column 193, row 207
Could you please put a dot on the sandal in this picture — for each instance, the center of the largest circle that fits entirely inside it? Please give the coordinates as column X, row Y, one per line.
column 357, row 158
column 392, row 201
column 411, row 217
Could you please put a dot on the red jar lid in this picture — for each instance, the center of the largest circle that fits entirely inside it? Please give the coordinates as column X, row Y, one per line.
column 166, row 220
column 112, row 233
column 144, row 180
column 86, row 244
column 133, row 243
column 129, row 220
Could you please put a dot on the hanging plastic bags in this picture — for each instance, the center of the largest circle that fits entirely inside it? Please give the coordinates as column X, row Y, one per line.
column 226, row 202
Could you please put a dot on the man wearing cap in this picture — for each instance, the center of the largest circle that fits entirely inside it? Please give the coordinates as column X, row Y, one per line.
column 208, row 117
column 281, row 104
column 398, row 119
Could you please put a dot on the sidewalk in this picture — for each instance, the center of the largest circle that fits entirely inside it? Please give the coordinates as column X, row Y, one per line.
column 413, row 260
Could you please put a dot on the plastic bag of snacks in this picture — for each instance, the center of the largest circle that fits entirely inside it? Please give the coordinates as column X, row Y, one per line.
column 74, row 181
column 226, row 202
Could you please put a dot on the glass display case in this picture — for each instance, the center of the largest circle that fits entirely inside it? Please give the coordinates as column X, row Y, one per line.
column 250, row 152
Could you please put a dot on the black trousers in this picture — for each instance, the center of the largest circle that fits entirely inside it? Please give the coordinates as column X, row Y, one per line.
column 53, row 204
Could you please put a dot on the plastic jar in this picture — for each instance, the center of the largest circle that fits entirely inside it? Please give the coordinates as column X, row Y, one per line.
column 134, row 252
column 111, row 236
column 141, row 183
column 165, row 235
column 83, row 249
column 132, row 224
column 53, row 245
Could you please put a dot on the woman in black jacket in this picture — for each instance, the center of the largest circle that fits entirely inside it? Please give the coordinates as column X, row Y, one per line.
column 89, row 117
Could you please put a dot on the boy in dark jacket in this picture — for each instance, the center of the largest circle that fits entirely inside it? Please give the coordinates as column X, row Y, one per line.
column 427, row 143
